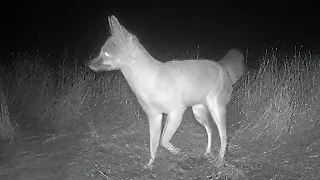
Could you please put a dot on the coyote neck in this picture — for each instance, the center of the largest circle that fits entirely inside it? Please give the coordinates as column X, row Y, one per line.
column 141, row 70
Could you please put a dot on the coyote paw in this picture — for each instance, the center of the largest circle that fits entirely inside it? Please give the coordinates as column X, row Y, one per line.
column 219, row 162
column 171, row 148
column 174, row 150
column 149, row 165
column 207, row 154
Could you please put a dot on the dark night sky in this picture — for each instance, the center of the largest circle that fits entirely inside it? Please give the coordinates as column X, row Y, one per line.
column 162, row 27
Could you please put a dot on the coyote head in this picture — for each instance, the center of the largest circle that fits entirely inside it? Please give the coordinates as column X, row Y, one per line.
column 117, row 51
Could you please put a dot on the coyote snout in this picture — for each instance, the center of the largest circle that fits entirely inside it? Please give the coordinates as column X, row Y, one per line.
column 171, row 87
column 103, row 62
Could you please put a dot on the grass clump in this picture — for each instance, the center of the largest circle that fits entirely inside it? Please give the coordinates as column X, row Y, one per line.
column 278, row 104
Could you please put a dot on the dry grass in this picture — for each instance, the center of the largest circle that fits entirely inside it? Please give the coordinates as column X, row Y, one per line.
column 279, row 105
column 28, row 86
column 279, row 90
column 278, row 102
column 7, row 128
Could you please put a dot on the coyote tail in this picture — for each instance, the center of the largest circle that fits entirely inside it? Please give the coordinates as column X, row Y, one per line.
column 233, row 61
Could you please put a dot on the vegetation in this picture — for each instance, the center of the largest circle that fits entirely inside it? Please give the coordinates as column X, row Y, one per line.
column 94, row 121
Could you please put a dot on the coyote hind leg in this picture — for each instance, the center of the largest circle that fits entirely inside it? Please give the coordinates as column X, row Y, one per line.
column 218, row 112
column 201, row 114
column 173, row 122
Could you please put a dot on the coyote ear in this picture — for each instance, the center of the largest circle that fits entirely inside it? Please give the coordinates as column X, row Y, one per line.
column 116, row 28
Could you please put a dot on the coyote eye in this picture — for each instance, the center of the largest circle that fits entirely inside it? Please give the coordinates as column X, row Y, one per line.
column 106, row 54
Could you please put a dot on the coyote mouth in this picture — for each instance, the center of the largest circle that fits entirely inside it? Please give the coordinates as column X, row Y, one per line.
column 98, row 64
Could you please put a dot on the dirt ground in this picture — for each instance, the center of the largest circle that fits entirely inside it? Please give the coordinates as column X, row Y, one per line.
column 121, row 149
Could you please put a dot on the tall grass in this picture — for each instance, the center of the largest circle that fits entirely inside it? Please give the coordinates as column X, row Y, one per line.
column 280, row 89
column 7, row 127
column 279, row 105
column 29, row 86
column 39, row 97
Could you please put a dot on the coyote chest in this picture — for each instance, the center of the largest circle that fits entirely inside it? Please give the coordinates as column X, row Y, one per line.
column 161, row 93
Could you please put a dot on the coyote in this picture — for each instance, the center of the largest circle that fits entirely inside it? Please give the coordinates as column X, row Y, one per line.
column 172, row 86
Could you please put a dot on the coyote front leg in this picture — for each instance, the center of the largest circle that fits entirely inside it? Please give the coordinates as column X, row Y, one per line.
column 155, row 121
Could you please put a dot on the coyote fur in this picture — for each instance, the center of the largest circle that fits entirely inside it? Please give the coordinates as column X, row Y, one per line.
column 172, row 86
